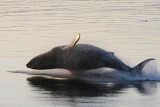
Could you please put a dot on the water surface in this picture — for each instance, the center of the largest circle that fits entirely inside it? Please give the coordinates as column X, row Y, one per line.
column 128, row 28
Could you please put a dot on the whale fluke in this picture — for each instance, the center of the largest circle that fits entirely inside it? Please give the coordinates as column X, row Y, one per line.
column 140, row 66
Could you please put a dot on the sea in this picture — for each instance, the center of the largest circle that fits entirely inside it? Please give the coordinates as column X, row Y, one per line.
column 129, row 28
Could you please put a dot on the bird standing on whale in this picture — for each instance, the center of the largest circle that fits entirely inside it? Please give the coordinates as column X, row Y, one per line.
column 81, row 57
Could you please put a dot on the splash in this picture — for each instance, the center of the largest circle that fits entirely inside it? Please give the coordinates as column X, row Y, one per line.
column 150, row 72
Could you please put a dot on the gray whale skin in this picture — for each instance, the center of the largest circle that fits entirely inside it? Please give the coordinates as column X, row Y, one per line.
column 81, row 57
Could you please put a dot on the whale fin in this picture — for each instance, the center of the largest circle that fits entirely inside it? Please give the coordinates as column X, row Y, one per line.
column 140, row 66
column 75, row 41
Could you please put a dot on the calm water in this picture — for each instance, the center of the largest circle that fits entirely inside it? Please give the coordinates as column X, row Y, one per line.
column 129, row 28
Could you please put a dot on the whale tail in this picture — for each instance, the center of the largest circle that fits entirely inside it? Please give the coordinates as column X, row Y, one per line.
column 139, row 67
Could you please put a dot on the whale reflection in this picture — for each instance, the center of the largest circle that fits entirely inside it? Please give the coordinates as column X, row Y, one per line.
column 80, row 88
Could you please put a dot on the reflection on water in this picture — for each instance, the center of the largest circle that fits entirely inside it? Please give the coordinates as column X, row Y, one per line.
column 73, row 89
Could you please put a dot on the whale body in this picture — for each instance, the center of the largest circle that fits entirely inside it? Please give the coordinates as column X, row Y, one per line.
column 81, row 57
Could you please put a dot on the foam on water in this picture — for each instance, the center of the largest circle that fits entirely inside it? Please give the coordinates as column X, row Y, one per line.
column 150, row 72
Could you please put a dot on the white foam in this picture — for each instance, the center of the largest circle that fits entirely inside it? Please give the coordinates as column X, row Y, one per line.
column 59, row 73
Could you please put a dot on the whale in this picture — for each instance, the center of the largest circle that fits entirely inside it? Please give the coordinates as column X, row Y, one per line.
column 82, row 57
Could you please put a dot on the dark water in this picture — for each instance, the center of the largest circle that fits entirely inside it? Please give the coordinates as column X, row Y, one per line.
column 129, row 28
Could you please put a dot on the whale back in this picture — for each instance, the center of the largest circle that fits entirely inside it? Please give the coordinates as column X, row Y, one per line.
column 82, row 56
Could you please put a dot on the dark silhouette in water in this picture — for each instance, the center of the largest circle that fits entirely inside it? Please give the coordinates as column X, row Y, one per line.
column 81, row 57
column 80, row 88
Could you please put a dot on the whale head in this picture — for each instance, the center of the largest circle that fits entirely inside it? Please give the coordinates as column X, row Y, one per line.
column 43, row 61
column 53, row 58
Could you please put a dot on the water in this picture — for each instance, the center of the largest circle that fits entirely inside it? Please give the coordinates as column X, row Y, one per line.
column 128, row 28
